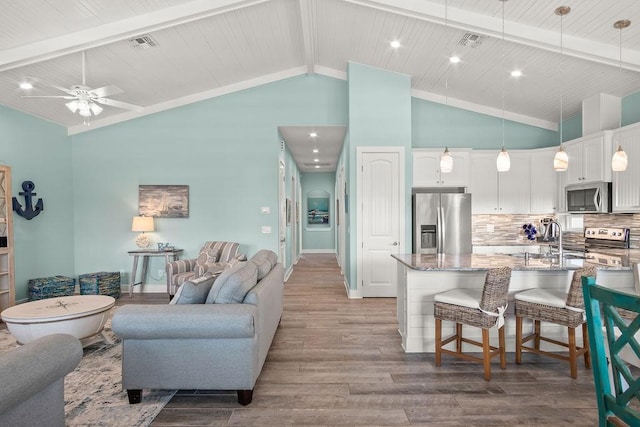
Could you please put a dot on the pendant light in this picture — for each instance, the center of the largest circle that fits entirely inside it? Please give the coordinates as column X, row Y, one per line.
column 619, row 159
column 446, row 161
column 561, row 160
column 503, row 162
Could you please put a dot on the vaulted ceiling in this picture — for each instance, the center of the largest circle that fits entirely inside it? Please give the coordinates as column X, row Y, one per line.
column 206, row 48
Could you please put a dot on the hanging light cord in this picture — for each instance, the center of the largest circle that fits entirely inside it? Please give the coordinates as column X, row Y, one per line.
column 561, row 70
column 504, row 70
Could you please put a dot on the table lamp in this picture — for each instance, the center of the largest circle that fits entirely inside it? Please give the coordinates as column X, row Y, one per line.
column 142, row 224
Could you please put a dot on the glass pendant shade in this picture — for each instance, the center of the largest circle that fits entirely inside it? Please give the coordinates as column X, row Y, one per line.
column 561, row 160
column 446, row 162
column 503, row 162
column 619, row 160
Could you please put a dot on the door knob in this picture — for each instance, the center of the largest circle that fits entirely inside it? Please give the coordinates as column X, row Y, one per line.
column 395, row 243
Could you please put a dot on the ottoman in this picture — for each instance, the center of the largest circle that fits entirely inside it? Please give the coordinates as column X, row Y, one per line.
column 51, row 287
column 101, row 283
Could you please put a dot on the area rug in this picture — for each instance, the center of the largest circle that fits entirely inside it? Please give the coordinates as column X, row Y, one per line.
column 93, row 394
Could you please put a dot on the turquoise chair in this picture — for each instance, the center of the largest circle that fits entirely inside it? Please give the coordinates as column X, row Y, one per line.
column 602, row 308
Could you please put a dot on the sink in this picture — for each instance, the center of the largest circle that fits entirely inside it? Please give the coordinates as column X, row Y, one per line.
column 547, row 256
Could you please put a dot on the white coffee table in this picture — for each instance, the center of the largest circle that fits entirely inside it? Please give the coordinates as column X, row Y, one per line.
column 82, row 316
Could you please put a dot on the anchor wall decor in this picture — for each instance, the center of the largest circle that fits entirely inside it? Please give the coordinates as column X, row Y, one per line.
column 29, row 212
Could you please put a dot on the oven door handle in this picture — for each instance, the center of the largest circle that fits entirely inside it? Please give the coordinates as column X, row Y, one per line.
column 597, row 200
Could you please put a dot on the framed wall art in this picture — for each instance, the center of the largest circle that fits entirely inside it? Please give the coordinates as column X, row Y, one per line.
column 163, row 201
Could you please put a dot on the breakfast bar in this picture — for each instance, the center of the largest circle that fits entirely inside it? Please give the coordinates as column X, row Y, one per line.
column 421, row 276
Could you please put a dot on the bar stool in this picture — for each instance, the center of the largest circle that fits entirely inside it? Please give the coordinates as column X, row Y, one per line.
column 559, row 307
column 482, row 308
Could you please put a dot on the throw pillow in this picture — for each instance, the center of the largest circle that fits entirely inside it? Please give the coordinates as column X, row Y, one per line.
column 237, row 285
column 208, row 257
column 264, row 260
column 194, row 291
column 221, row 280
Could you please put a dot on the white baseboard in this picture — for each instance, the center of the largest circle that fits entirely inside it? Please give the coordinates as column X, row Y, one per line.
column 288, row 273
column 151, row 288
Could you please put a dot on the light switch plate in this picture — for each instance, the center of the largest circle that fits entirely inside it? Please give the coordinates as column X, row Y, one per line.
column 265, row 210
column 266, row 229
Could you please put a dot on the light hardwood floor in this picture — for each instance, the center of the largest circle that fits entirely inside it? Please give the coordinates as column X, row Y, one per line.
column 336, row 361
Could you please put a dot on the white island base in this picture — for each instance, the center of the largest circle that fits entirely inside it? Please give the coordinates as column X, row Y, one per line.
column 416, row 289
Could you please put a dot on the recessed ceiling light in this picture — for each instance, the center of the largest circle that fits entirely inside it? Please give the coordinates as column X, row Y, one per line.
column 454, row 59
column 313, row 134
column 26, row 85
column 516, row 73
column 315, row 150
column 395, row 44
column 317, row 166
column 316, row 160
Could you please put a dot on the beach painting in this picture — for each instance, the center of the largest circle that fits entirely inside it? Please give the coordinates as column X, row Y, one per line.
column 318, row 210
column 163, row 201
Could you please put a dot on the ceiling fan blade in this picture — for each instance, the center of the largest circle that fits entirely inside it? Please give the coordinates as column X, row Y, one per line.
column 50, row 96
column 63, row 89
column 110, row 90
column 118, row 104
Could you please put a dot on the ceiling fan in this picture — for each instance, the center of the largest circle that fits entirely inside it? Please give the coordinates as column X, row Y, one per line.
column 84, row 99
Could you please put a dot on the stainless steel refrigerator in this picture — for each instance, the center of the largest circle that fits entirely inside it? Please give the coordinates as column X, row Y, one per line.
column 442, row 223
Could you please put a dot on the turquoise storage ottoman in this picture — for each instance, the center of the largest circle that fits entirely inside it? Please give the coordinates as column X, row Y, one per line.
column 51, row 287
column 101, row 283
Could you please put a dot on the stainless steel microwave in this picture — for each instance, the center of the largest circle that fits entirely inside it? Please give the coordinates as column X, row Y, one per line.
column 594, row 197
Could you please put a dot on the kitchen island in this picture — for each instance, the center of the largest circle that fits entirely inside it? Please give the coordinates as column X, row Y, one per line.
column 420, row 277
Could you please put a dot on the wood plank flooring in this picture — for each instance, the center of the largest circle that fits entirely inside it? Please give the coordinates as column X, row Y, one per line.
column 336, row 361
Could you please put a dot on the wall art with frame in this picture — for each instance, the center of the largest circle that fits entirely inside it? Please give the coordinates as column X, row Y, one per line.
column 163, row 201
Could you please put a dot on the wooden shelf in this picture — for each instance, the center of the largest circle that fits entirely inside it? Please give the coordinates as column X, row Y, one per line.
column 5, row 291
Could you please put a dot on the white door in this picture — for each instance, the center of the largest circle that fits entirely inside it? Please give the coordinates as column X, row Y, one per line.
column 381, row 211
column 282, row 214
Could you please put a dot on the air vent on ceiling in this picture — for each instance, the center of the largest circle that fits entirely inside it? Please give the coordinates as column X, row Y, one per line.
column 143, row 42
column 471, row 40
column 317, row 164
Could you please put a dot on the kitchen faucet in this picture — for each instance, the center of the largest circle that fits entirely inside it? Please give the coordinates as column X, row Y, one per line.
column 560, row 251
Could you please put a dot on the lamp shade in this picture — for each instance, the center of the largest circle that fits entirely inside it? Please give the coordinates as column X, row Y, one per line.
column 142, row 223
column 503, row 162
column 446, row 162
column 619, row 160
column 561, row 160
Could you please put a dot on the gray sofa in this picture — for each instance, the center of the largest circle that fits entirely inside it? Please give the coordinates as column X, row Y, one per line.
column 220, row 344
column 32, row 378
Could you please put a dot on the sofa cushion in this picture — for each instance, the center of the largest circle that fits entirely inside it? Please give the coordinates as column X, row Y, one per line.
column 234, row 283
column 194, row 291
column 264, row 260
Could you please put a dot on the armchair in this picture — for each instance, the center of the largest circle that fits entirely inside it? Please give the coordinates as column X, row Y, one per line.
column 213, row 257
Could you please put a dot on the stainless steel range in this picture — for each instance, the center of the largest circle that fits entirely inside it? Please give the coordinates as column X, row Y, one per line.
column 601, row 244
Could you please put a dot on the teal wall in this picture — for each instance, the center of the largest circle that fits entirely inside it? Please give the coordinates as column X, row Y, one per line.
column 39, row 151
column 318, row 238
column 571, row 129
column 437, row 125
column 226, row 149
column 379, row 115
column 631, row 109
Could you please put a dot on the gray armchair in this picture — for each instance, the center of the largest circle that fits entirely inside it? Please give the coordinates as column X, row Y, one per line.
column 32, row 378
column 213, row 257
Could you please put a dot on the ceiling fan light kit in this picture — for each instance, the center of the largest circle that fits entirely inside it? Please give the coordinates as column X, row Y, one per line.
column 85, row 100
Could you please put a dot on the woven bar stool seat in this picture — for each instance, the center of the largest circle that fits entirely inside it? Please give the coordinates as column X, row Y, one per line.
column 559, row 307
column 482, row 308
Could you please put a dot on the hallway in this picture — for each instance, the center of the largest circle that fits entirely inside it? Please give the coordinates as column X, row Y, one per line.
column 336, row 361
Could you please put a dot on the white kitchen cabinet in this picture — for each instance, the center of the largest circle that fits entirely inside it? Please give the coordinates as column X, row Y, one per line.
column 626, row 185
column 589, row 159
column 426, row 168
column 500, row 192
column 544, row 181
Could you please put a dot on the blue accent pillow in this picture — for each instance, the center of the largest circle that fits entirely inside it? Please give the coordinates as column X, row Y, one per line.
column 194, row 291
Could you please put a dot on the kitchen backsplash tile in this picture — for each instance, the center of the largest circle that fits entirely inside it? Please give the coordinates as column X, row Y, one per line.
column 507, row 229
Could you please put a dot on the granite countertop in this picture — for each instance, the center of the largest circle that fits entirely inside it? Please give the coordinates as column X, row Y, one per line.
column 471, row 262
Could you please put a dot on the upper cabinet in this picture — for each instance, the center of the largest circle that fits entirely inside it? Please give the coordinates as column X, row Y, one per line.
column 544, row 181
column 500, row 192
column 589, row 158
column 626, row 185
column 426, row 168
